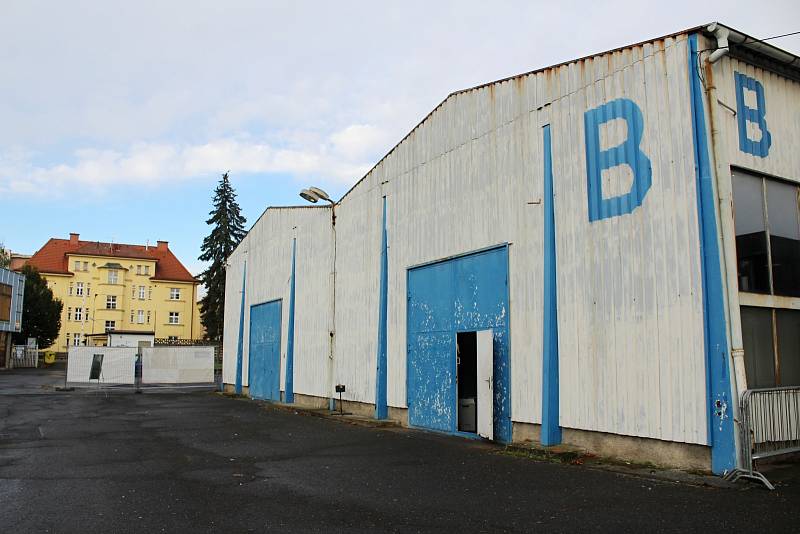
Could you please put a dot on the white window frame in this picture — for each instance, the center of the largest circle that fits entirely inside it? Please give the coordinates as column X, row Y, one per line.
column 77, row 265
column 113, row 276
column 174, row 293
column 79, row 289
column 174, row 317
column 86, row 266
column 138, row 269
column 111, row 302
column 140, row 317
column 76, row 340
column 147, row 270
column 111, row 325
column 142, row 293
column 79, row 314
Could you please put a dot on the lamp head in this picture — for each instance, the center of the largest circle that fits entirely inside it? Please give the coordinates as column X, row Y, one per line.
column 309, row 195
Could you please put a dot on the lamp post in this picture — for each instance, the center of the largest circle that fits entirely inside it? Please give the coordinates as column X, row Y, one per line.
column 314, row 195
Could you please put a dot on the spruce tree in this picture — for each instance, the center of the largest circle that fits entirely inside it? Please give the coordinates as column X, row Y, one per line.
column 227, row 231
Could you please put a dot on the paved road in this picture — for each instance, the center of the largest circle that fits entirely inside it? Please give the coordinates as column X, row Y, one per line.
column 199, row 462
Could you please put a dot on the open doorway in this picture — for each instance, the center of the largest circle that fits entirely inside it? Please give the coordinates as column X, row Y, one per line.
column 467, row 380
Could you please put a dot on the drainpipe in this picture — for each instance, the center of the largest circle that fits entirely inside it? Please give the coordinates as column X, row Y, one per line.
column 721, row 33
column 725, row 198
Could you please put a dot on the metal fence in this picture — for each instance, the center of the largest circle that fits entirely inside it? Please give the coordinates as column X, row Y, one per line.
column 23, row 356
column 159, row 366
column 770, row 427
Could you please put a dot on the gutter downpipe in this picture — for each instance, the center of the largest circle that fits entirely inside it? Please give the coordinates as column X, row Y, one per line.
column 723, row 179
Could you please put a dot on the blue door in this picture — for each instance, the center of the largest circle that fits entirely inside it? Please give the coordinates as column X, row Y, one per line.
column 468, row 293
column 265, row 351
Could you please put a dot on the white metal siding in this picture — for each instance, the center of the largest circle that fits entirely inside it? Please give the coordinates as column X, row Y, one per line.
column 629, row 287
column 470, row 177
column 782, row 99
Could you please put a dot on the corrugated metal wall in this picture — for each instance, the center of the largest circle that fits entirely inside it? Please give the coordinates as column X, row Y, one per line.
column 268, row 251
column 782, row 102
column 17, row 283
column 470, row 177
column 629, row 287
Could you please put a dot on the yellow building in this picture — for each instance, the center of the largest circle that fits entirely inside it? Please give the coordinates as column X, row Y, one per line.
column 125, row 288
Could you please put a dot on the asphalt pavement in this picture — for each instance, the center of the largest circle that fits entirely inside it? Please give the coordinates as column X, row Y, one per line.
column 200, row 462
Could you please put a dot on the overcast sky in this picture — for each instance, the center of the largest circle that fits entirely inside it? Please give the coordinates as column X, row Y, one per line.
column 117, row 118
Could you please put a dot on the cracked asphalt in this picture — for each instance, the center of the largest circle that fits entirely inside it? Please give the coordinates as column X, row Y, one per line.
column 200, row 462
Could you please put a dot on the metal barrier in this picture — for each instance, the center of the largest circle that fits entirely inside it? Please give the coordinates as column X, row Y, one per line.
column 770, row 420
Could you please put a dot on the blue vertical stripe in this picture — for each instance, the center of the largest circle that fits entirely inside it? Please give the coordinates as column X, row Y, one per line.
column 551, row 431
column 381, row 403
column 240, row 343
column 718, row 379
column 290, row 343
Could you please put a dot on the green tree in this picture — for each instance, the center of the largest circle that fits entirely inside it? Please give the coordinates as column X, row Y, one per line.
column 227, row 231
column 41, row 311
column 5, row 258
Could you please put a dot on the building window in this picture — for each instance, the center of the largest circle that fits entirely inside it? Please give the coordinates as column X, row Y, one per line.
column 69, row 314
column 67, row 340
column 5, row 303
column 88, row 290
column 70, row 289
column 147, row 270
column 79, row 314
column 112, row 276
column 111, row 302
column 149, row 292
column 174, row 317
column 86, row 266
column 79, row 289
column 138, row 269
column 767, row 224
column 140, row 317
column 133, row 292
column 76, row 340
column 174, row 293
column 77, row 265
column 141, row 293
column 131, row 316
column 148, row 316
column 110, row 325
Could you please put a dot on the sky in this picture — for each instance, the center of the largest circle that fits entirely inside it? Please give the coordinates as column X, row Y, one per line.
column 118, row 118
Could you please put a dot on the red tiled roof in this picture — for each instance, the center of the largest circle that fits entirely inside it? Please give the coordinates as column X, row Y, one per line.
column 52, row 257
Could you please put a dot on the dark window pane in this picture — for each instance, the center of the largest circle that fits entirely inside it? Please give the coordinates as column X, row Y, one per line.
column 751, row 237
column 759, row 356
column 789, row 346
column 784, row 230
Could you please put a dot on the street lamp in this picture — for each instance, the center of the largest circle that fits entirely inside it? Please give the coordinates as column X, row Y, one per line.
column 314, row 195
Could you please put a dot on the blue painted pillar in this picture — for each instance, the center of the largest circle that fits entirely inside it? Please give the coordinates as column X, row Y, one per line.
column 718, row 378
column 240, row 343
column 381, row 402
column 551, row 431
column 290, row 343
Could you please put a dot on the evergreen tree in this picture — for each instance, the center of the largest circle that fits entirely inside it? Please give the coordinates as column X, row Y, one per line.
column 5, row 258
column 228, row 230
column 41, row 311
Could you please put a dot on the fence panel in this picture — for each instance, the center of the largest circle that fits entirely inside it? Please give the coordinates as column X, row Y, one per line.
column 770, row 427
column 177, row 365
column 117, row 367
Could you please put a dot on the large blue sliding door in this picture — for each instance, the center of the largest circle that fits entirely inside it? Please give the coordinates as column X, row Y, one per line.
column 265, row 351
column 467, row 293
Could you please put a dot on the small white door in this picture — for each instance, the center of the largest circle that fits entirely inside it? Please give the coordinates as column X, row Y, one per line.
column 485, row 399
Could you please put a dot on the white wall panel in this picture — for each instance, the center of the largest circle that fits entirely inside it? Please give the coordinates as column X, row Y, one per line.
column 782, row 103
column 470, row 177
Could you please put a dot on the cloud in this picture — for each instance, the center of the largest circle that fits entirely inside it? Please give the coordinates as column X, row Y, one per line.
column 343, row 157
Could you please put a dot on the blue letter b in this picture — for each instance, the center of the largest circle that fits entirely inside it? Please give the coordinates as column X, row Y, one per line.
column 627, row 153
column 757, row 116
